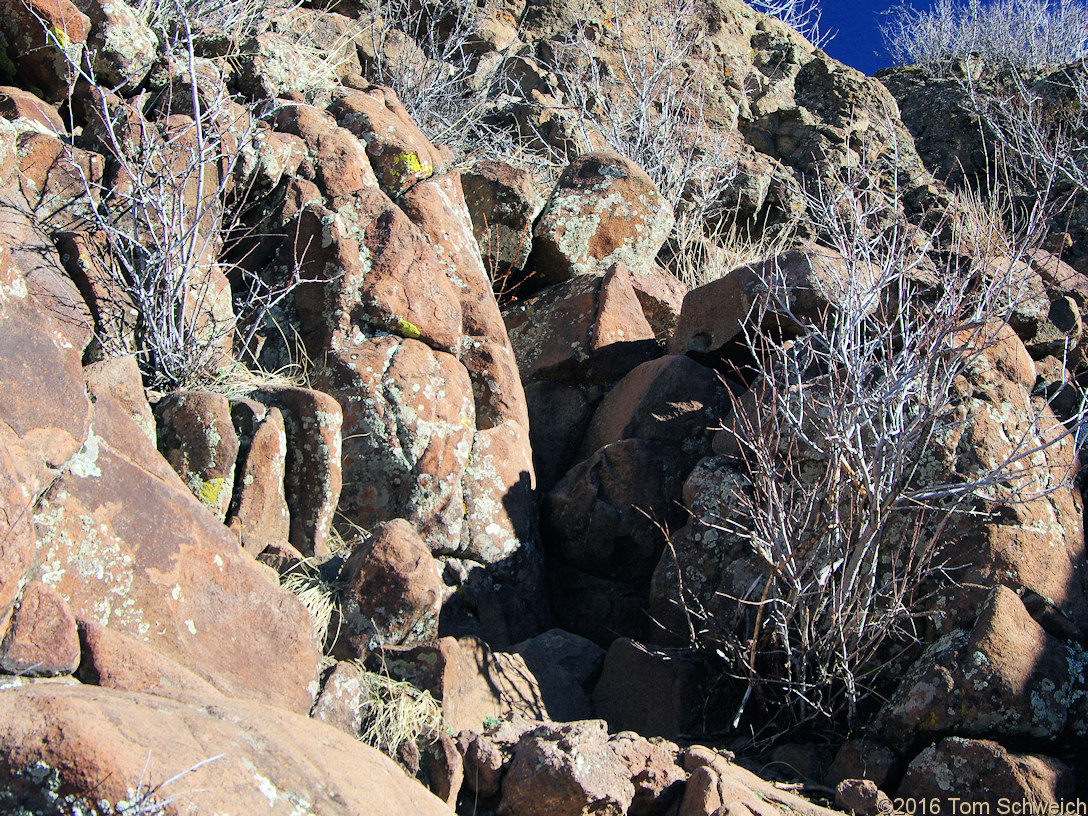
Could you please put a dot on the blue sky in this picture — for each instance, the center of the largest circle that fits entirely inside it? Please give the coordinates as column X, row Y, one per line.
column 858, row 42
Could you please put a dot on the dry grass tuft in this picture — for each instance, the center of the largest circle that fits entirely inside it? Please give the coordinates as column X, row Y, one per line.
column 396, row 712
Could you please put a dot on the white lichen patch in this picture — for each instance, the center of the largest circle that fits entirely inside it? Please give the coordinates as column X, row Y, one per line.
column 84, row 463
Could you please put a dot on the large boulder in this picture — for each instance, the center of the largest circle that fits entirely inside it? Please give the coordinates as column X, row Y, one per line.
column 399, row 152
column 573, row 769
column 185, row 588
column 392, row 592
column 438, row 207
column 717, row 312
column 122, row 45
column 408, row 431
column 44, row 418
column 1006, row 679
column 672, row 400
column 383, row 275
column 95, row 538
column 114, row 660
column 49, row 39
column 504, row 204
column 28, row 111
column 984, row 771
column 125, row 749
column 591, row 326
column 331, row 155
column 606, row 516
column 604, row 210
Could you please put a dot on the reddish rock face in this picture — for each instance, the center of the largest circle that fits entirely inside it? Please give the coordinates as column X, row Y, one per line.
column 51, row 179
column 500, row 510
column 259, row 514
column 504, row 204
column 408, row 428
column 381, row 273
column 8, row 155
column 602, row 514
column 410, row 341
column 33, row 253
column 662, row 298
column 16, row 104
column 41, row 65
column 313, row 422
column 565, row 770
column 1036, row 544
column 713, row 314
column 20, row 480
column 1007, row 679
column 197, row 437
column 116, row 661
column 437, row 206
column 985, row 771
column 123, row 46
column 393, row 592
column 232, row 756
column 42, row 640
column 653, row 692
column 590, row 327
column 177, row 586
column 672, row 399
column 339, row 161
column 398, row 150
column 604, row 210
column 120, row 378
column 41, row 381
column 44, row 418
column 85, row 258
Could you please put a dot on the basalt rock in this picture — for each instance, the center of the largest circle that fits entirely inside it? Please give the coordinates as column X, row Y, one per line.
column 604, row 210
column 231, row 756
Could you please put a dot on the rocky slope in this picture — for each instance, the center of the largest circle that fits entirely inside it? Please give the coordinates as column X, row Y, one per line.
column 524, row 511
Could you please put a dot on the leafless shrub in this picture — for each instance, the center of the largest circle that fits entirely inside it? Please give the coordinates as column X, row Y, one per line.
column 174, row 192
column 234, row 19
column 649, row 105
column 1024, row 34
column 424, row 52
column 801, row 15
column 1040, row 127
column 842, row 501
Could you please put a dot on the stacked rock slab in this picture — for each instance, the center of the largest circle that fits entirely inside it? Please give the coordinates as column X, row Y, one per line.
column 80, row 550
column 406, row 336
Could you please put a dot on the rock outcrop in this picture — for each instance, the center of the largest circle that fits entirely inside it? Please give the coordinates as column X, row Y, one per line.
column 536, row 516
